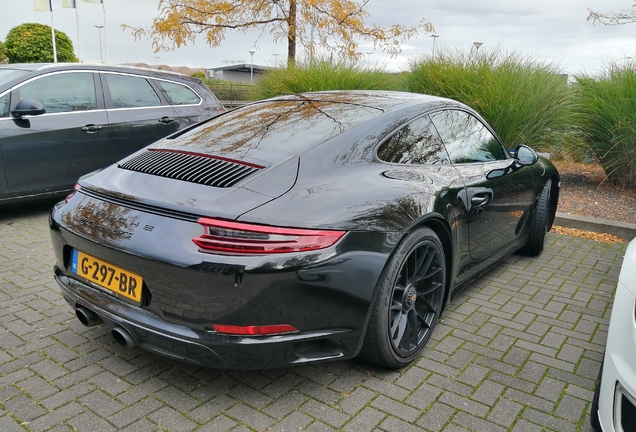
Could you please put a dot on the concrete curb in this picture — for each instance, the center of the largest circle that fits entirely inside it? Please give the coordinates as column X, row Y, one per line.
column 618, row 229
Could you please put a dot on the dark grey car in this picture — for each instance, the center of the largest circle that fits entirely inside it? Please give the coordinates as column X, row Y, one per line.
column 60, row 121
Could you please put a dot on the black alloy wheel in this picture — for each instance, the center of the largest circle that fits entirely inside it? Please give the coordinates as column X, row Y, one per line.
column 408, row 302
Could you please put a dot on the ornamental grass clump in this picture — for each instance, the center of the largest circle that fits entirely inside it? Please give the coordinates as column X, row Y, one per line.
column 323, row 75
column 526, row 100
column 607, row 103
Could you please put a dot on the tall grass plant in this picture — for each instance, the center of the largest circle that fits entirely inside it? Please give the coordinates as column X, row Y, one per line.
column 323, row 75
column 607, row 103
column 526, row 100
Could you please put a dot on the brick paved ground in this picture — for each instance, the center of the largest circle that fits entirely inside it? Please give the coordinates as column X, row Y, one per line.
column 519, row 350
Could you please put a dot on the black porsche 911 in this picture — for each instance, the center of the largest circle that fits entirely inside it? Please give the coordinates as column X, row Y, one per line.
column 302, row 228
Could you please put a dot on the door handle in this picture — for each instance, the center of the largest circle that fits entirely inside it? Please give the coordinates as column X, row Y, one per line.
column 91, row 128
column 166, row 120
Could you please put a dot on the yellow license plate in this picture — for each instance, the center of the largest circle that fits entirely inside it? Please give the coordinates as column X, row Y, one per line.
column 106, row 275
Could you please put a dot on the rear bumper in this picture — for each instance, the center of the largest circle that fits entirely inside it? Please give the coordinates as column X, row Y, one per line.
column 208, row 348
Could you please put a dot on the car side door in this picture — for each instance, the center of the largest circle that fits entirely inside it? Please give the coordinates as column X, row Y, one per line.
column 137, row 113
column 190, row 106
column 498, row 196
column 48, row 152
column 419, row 149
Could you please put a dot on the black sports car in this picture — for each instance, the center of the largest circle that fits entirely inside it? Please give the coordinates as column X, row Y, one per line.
column 310, row 227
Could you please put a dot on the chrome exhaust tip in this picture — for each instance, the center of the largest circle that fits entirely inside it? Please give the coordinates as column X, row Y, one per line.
column 122, row 337
column 87, row 317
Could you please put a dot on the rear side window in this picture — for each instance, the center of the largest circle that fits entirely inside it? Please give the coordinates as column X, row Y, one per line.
column 416, row 143
column 178, row 94
column 466, row 138
column 62, row 92
column 131, row 92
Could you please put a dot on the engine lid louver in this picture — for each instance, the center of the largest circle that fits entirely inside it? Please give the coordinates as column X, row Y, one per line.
column 191, row 167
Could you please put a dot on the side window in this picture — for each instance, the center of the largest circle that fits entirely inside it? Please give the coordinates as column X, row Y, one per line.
column 466, row 138
column 4, row 104
column 415, row 143
column 63, row 92
column 178, row 94
column 130, row 91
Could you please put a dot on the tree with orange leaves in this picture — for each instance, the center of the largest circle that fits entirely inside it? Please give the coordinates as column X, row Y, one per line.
column 336, row 25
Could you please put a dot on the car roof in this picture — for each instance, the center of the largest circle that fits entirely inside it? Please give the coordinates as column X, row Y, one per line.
column 43, row 67
column 384, row 100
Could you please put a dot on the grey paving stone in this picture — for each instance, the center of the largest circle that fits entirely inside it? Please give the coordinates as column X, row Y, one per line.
column 250, row 417
column 101, row 403
column 357, row 400
column 505, row 412
column 396, row 409
column 170, row 419
column 436, row 417
column 211, row 408
column 90, row 422
column 325, row 413
column 366, row 420
column 284, row 405
column 7, row 424
column 475, row 423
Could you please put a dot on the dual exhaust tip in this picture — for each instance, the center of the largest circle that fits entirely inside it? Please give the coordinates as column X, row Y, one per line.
column 90, row 319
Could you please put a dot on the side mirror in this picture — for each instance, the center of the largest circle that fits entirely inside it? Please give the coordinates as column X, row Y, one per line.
column 525, row 156
column 28, row 107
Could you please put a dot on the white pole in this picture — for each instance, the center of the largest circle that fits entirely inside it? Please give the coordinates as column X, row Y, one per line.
column 79, row 55
column 105, row 31
column 53, row 39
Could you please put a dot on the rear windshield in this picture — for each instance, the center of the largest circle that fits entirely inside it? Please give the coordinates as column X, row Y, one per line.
column 284, row 127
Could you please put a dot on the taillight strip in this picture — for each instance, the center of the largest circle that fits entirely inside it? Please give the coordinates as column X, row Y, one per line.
column 250, row 239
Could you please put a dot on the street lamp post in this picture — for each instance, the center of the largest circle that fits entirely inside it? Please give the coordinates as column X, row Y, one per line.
column 99, row 29
column 252, row 51
column 434, row 36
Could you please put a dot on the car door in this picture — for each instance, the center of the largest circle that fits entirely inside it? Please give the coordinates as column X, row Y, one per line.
column 187, row 103
column 48, row 152
column 497, row 197
column 419, row 149
column 138, row 115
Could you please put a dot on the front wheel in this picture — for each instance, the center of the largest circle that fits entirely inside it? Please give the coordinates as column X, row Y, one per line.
column 540, row 224
column 408, row 301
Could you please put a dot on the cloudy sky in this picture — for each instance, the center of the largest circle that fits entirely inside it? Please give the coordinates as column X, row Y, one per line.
column 553, row 30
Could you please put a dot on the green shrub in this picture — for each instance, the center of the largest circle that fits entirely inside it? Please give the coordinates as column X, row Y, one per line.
column 31, row 43
column 607, row 103
column 323, row 75
column 199, row 74
column 526, row 101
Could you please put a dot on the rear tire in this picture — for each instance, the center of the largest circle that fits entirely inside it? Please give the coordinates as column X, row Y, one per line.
column 408, row 301
column 540, row 223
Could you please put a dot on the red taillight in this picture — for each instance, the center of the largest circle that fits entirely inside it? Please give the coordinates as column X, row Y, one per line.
column 69, row 196
column 242, row 238
column 254, row 330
